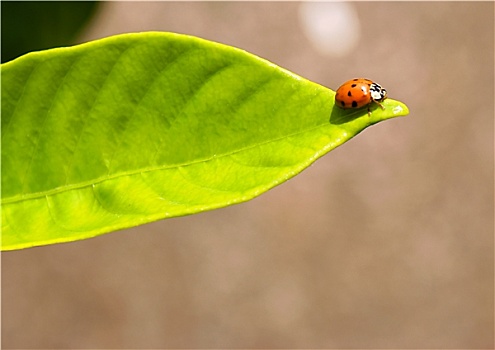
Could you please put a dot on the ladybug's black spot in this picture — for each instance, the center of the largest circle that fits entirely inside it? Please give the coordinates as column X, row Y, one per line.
column 353, row 85
column 349, row 93
column 354, row 104
column 342, row 103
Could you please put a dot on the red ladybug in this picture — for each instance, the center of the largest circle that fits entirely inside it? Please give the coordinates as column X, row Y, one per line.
column 357, row 93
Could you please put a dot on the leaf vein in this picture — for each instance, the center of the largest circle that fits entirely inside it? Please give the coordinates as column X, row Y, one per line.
column 86, row 120
column 156, row 168
column 43, row 125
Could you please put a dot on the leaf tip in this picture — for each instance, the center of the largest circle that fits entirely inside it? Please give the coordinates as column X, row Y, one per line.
column 400, row 109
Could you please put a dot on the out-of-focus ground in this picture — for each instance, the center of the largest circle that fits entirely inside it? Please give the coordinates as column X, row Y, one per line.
column 386, row 242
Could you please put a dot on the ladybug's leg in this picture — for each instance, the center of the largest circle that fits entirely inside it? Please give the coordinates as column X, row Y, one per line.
column 379, row 104
column 369, row 112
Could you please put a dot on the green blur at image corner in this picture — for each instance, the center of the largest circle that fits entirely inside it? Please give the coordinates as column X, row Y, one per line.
column 36, row 25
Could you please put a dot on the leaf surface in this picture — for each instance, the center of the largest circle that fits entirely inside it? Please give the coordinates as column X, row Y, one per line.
column 139, row 127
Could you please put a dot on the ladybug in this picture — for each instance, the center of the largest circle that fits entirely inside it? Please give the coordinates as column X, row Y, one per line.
column 357, row 93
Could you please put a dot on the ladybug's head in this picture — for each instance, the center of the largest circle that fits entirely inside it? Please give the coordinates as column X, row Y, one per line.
column 377, row 93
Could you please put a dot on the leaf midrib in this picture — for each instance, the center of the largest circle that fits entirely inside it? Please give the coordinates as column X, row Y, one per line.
column 84, row 184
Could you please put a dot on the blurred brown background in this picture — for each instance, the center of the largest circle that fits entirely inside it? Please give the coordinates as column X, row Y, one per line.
column 386, row 242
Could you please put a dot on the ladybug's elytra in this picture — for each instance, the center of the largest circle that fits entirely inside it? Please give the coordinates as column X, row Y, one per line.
column 360, row 92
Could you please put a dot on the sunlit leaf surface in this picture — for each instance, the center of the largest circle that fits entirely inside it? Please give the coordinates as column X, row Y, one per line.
column 139, row 127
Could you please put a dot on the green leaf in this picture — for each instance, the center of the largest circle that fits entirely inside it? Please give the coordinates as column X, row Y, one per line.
column 139, row 127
